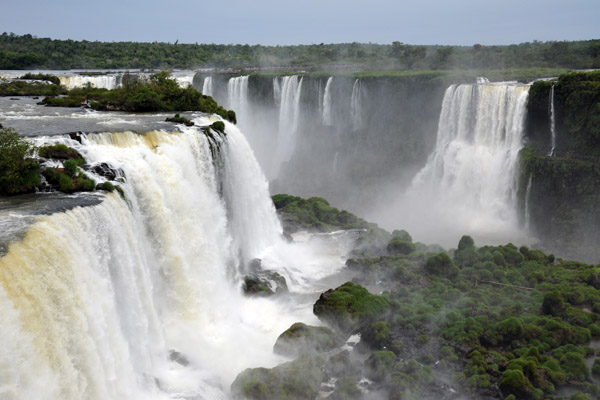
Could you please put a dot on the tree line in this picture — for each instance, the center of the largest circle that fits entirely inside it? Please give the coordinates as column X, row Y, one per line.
column 30, row 52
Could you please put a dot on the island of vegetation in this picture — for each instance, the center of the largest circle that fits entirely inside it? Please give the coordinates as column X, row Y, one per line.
column 487, row 322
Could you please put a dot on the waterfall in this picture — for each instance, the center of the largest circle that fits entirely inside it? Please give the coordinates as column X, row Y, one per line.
column 207, row 86
column 112, row 301
column 237, row 90
column 289, row 113
column 552, row 122
column 111, row 81
column 470, row 177
column 245, row 187
column 355, row 106
column 276, row 91
column 184, row 78
column 327, row 117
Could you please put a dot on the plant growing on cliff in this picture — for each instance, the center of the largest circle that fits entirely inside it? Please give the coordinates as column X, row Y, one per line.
column 19, row 173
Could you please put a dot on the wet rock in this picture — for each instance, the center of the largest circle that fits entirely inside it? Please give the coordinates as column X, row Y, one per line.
column 179, row 358
column 263, row 282
column 105, row 170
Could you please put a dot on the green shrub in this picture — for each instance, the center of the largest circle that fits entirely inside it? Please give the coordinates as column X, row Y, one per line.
column 70, row 168
column 399, row 246
column 65, row 183
column 218, row 126
column 18, row 172
column 441, row 264
column 109, row 187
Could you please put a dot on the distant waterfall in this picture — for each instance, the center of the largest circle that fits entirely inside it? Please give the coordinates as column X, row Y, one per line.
column 471, row 175
column 289, row 113
column 111, row 81
column 184, row 79
column 355, row 105
column 207, row 86
column 327, row 117
column 276, row 91
column 237, row 89
column 552, row 122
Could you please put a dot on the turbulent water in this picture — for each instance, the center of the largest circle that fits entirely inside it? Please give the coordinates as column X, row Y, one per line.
column 139, row 298
column 468, row 185
column 207, row 86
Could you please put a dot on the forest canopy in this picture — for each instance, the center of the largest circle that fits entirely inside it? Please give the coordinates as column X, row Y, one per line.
column 30, row 52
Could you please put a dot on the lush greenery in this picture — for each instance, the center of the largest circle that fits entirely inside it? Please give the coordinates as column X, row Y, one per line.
column 314, row 214
column 178, row 119
column 19, row 172
column 158, row 92
column 18, row 87
column 27, row 51
column 488, row 322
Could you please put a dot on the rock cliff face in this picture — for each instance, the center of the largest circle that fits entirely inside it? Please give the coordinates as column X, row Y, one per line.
column 560, row 171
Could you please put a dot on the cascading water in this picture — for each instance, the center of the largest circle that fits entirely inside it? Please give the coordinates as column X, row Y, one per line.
column 244, row 187
column 552, row 122
column 327, row 116
column 237, row 90
column 276, row 91
column 99, row 81
column 289, row 114
column 355, row 105
column 470, row 177
column 207, row 86
column 137, row 298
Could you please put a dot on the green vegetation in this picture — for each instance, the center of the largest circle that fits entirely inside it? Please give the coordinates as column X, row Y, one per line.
column 218, row 126
column 41, row 77
column 497, row 321
column 303, row 339
column 30, row 88
column 27, row 51
column 314, row 214
column 19, row 172
column 158, row 92
column 350, row 307
column 296, row 380
column 180, row 120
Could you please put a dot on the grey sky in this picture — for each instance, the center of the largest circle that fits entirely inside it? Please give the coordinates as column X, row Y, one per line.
column 455, row 22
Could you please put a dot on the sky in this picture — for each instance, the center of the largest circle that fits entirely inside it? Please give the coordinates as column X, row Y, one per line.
column 269, row 22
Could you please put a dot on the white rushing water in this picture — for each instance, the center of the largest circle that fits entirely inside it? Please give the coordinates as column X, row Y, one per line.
column 237, row 90
column 95, row 299
column 327, row 117
column 108, row 81
column 552, row 122
column 355, row 105
column 289, row 115
column 468, row 185
column 207, row 86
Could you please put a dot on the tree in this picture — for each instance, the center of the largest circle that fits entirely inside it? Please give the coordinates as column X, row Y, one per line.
column 18, row 172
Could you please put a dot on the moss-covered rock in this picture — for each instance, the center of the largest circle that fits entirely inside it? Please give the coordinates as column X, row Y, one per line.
column 303, row 339
column 296, row 380
column 350, row 307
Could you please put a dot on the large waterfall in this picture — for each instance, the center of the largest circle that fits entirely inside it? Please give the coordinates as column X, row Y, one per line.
column 138, row 298
column 468, row 185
